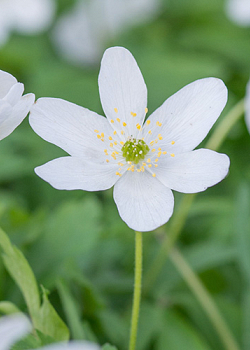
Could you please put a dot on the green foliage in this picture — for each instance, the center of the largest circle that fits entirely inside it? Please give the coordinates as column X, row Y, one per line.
column 75, row 244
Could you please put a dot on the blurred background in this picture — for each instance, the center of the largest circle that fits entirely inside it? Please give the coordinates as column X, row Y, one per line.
column 75, row 241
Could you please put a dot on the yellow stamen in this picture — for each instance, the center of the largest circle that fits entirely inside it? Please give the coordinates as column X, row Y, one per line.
column 121, row 142
column 148, row 160
column 107, row 160
column 148, row 121
column 133, row 114
column 111, row 144
column 172, row 154
column 124, row 124
column 173, row 142
column 153, row 150
column 118, row 119
column 138, row 126
column 118, row 173
column 110, row 138
column 116, row 110
column 149, row 165
column 96, row 131
column 99, row 136
column 159, row 137
column 146, row 110
column 115, row 132
column 153, row 175
column 164, row 152
column 156, row 159
column 112, row 121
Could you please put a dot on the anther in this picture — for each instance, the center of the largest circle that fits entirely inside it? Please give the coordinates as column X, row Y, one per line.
column 116, row 110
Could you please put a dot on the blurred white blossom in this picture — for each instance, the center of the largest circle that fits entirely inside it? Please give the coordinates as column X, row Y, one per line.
column 24, row 16
column 239, row 11
column 15, row 327
column 81, row 34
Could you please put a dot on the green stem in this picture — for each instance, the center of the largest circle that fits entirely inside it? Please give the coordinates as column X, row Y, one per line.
column 179, row 219
column 204, row 298
column 137, row 290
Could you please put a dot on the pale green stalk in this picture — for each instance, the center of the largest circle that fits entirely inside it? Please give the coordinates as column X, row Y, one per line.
column 179, row 219
column 137, row 290
column 204, row 298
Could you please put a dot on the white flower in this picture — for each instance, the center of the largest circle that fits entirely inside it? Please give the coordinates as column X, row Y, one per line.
column 239, row 11
column 25, row 16
column 80, row 35
column 15, row 327
column 13, row 106
column 144, row 160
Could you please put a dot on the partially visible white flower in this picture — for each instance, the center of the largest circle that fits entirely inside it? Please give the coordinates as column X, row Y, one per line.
column 143, row 159
column 15, row 327
column 13, row 106
column 81, row 34
column 24, row 16
column 239, row 11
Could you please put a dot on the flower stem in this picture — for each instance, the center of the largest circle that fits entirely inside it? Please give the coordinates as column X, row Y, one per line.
column 204, row 298
column 179, row 219
column 137, row 290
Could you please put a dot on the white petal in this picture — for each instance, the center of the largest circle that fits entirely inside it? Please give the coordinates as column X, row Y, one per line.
column 14, row 94
column 193, row 171
column 12, row 328
column 6, row 82
column 142, row 201
column 122, row 89
column 69, row 126
column 189, row 114
column 247, row 106
column 71, row 173
column 8, row 122
column 74, row 345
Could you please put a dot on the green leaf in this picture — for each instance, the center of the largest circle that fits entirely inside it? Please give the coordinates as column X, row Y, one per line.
column 45, row 317
column 50, row 323
column 30, row 342
column 22, row 274
column 179, row 334
column 71, row 310
column 7, row 308
column 109, row 347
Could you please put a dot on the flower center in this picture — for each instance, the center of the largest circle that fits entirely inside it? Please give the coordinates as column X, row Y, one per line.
column 134, row 150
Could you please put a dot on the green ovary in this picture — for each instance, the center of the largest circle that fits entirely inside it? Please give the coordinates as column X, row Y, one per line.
column 134, row 150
